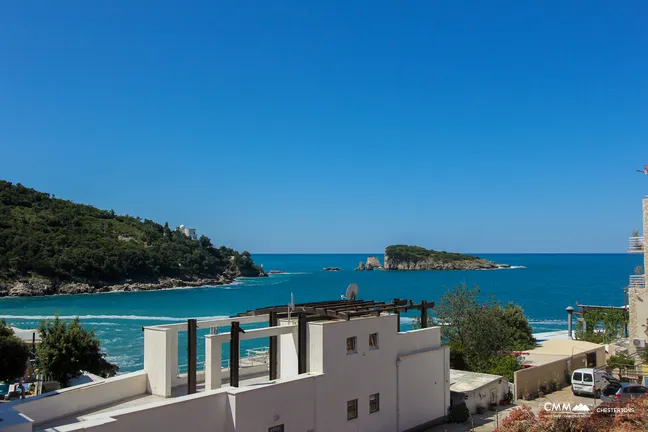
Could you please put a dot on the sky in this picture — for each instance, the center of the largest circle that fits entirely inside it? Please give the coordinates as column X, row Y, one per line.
column 337, row 126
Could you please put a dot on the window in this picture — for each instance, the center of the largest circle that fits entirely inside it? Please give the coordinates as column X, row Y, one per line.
column 587, row 377
column 374, row 403
column 577, row 376
column 351, row 345
column 279, row 428
column 352, row 409
column 373, row 341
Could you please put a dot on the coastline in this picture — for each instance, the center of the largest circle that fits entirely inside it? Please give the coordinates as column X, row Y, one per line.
column 39, row 287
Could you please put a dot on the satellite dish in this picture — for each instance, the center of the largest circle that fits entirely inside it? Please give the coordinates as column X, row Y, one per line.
column 352, row 292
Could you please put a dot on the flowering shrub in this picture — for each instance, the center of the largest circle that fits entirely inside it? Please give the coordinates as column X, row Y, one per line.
column 634, row 418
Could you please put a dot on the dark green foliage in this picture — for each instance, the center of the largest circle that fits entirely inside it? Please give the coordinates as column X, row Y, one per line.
column 611, row 321
column 14, row 354
column 417, row 253
column 459, row 413
column 61, row 240
column 482, row 335
column 622, row 362
column 67, row 349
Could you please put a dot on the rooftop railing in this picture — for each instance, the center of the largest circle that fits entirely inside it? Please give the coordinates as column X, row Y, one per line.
column 253, row 357
column 636, row 244
column 638, row 281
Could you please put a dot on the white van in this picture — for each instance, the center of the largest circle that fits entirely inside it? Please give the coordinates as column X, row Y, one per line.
column 588, row 381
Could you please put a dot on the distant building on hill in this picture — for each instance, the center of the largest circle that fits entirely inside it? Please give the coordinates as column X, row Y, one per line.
column 189, row 232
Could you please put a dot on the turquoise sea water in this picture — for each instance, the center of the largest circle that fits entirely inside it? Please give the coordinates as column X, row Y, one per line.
column 544, row 287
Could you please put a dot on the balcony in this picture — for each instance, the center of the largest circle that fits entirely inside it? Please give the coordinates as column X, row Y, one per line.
column 636, row 244
column 637, row 281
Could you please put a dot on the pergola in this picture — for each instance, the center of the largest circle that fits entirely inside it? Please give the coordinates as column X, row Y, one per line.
column 305, row 313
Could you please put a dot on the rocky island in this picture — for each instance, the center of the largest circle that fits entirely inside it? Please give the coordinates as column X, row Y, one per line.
column 403, row 257
column 53, row 246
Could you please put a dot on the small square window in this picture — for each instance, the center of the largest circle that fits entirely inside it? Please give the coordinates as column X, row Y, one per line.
column 374, row 403
column 351, row 345
column 373, row 341
column 352, row 409
column 278, row 428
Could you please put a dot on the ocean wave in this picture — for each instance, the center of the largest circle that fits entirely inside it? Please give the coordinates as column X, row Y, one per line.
column 288, row 273
column 548, row 322
column 114, row 317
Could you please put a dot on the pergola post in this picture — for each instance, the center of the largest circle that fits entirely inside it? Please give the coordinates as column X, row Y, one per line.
column 192, row 326
column 273, row 322
column 235, row 352
column 302, row 344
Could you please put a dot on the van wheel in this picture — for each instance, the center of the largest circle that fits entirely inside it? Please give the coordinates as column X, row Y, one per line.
column 574, row 393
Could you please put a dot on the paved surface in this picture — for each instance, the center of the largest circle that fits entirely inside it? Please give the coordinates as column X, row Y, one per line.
column 489, row 420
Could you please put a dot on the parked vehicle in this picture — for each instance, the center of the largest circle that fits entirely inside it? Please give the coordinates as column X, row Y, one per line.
column 589, row 381
column 624, row 391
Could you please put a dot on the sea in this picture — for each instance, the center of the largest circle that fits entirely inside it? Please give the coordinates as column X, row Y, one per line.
column 543, row 284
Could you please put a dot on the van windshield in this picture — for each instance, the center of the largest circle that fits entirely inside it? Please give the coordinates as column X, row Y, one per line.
column 587, row 377
column 577, row 376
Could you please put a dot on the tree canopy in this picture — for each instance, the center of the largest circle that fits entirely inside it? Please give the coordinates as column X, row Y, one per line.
column 53, row 238
column 66, row 349
column 601, row 325
column 482, row 334
column 14, row 354
column 418, row 253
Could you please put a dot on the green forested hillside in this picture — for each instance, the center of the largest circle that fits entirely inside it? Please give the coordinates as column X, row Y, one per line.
column 57, row 239
column 417, row 253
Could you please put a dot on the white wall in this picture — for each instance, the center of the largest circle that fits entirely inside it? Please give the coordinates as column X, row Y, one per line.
column 199, row 412
column 290, row 402
column 482, row 395
column 287, row 353
column 65, row 402
column 160, row 359
column 423, row 387
column 355, row 376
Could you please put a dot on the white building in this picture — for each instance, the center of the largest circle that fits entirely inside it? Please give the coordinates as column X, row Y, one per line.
column 189, row 232
column 333, row 366
column 477, row 389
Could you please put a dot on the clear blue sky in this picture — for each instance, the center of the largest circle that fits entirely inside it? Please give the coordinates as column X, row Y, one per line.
column 337, row 126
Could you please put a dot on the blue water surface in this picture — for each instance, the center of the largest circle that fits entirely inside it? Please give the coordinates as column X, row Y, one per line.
column 544, row 285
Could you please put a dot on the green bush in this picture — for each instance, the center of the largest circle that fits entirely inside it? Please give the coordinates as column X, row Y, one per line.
column 14, row 354
column 459, row 413
column 68, row 349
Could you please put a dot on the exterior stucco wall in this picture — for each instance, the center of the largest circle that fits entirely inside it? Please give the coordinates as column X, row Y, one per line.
column 423, row 387
column 289, row 402
column 62, row 403
column 206, row 412
column 638, row 298
column 482, row 395
column 531, row 378
column 358, row 375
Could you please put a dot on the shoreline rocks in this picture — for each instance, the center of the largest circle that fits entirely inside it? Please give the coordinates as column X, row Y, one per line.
column 372, row 264
column 32, row 287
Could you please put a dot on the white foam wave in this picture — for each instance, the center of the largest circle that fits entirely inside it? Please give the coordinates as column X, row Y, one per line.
column 113, row 317
column 288, row 273
column 548, row 322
